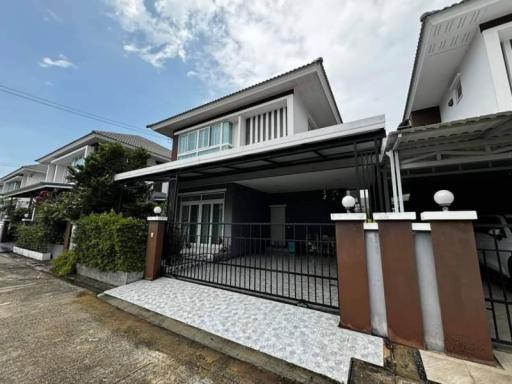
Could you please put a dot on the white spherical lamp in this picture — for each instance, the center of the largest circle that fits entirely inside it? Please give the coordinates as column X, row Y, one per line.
column 157, row 210
column 25, row 215
column 444, row 198
column 348, row 202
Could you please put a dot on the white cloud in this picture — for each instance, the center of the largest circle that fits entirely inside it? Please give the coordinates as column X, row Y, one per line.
column 51, row 16
column 61, row 62
column 368, row 46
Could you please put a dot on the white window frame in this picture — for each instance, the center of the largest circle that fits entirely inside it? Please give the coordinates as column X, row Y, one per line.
column 196, row 151
column 200, row 203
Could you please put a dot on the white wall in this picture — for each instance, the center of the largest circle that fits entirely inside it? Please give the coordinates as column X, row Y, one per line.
column 479, row 97
column 300, row 117
column 60, row 173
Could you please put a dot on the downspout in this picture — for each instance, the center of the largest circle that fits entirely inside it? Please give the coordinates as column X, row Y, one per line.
column 391, row 156
column 396, row 181
column 399, row 181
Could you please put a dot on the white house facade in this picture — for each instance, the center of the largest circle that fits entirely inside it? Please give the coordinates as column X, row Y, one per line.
column 256, row 174
column 457, row 123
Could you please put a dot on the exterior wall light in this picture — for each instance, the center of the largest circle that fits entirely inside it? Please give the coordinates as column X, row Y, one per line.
column 444, row 198
column 348, row 202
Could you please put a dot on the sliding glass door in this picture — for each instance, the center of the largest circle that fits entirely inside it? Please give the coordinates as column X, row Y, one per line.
column 201, row 220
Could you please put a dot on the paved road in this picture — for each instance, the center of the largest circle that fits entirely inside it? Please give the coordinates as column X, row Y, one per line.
column 54, row 332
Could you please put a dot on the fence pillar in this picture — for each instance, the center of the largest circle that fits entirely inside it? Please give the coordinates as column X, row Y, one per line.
column 154, row 246
column 461, row 296
column 353, row 290
column 67, row 236
column 401, row 289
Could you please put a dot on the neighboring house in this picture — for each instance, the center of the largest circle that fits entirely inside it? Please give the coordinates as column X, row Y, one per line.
column 23, row 178
column 457, row 123
column 52, row 170
column 267, row 160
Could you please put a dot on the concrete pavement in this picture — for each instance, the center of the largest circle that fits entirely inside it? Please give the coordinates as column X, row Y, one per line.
column 54, row 332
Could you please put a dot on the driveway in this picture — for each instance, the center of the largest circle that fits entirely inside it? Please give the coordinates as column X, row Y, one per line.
column 54, row 332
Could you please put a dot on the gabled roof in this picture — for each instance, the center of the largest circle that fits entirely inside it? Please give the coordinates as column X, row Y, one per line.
column 134, row 141
column 37, row 168
column 245, row 92
column 444, row 38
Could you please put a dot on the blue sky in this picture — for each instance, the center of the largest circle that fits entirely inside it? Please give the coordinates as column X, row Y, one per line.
column 140, row 61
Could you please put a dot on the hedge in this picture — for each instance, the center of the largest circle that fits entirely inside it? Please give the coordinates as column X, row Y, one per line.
column 35, row 237
column 111, row 242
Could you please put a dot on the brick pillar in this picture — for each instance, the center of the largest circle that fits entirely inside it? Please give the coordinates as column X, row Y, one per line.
column 353, row 290
column 461, row 296
column 154, row 247
column 401, row 288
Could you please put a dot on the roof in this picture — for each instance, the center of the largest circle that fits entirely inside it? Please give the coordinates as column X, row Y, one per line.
column 317, row 62
column 123, row 138
column 39, row 168
column 443, row 133
column 137, row 141
column 430, row 13
column 423, row 20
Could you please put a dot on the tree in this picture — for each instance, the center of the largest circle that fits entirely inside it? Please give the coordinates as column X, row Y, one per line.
column 95, row 190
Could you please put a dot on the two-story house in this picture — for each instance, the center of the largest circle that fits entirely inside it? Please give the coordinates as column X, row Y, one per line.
column 262, row 166
column 25, row 177
column 457, row 124
column 51, row 172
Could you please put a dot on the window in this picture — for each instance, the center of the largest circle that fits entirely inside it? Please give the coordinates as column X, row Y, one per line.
column 77, row 160
column 458, row 91
column 206, row 140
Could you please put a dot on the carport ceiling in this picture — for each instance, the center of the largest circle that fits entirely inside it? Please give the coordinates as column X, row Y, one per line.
column 311, row 181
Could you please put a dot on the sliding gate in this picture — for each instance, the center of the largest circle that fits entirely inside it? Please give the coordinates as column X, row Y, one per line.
column 292, row 262
column 494, row 243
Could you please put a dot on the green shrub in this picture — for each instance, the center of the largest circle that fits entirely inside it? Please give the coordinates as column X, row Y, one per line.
column 111, row 242
column 34, row 237
column 65, row 263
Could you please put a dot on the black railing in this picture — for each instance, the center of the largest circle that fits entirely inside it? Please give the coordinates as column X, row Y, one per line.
column 495, row 255
column 292, row 262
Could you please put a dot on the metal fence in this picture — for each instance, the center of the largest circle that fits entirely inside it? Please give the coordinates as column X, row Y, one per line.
column 494, row 245
column 293, row 262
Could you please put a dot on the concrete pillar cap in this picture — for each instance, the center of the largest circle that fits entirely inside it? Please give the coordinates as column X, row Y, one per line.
column 449, row 215
column 348, row 216
column 157, row 218
column 383, row 216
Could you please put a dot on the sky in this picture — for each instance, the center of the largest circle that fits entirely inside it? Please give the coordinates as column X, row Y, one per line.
column 139, row 61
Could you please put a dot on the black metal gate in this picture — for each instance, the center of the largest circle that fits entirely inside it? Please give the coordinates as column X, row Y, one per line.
column 288, row 262
column 494, row 243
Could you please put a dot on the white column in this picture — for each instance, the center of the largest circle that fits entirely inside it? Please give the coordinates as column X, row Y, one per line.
column 498, row 69
column 271, row 125
column 50, row 173
column 241, row 131
column 251, row 130
column 289, row 126
column 278, row 111
column 259, row 123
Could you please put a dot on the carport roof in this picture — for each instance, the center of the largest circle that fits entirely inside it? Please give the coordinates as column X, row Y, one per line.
column 31, row 190
column 465, row 130
column 318, row 145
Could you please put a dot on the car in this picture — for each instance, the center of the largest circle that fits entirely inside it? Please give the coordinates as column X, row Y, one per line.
column 494, row 242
